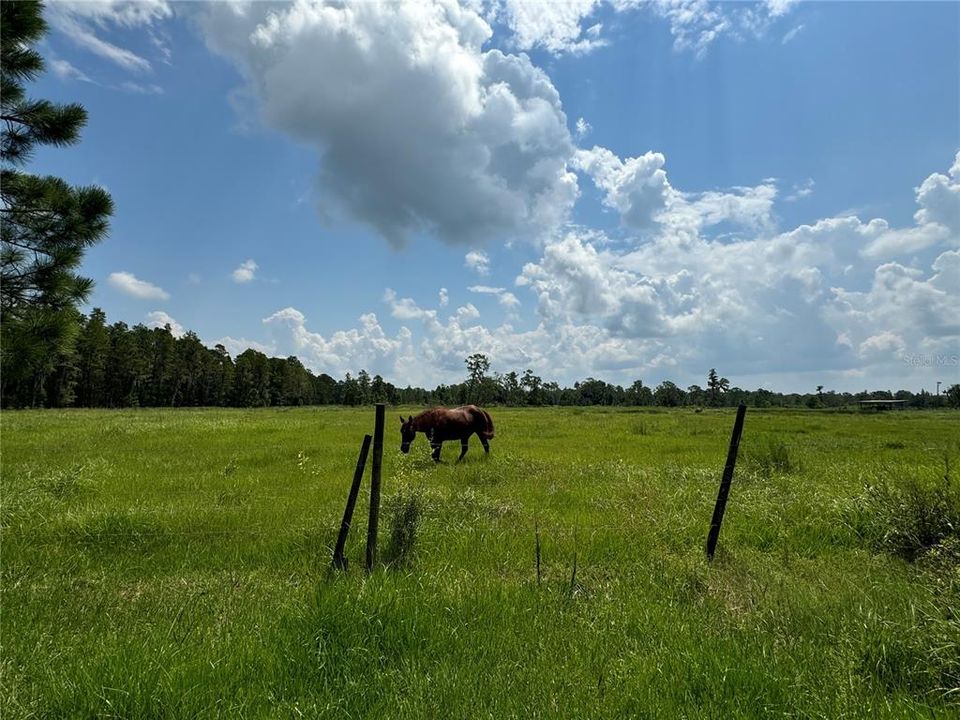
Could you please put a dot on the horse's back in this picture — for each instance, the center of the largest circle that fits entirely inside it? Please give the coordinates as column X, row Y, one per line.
column 482, row 422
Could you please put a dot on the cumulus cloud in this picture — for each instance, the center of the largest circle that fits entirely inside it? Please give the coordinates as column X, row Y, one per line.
column 130, row 284
column 417, row 127
column 638, row 189
column 435, row 354
column 478, row 261
column 802, row 299
column 558, row 27
column 939, row 199
column 405, row 308
column 444, row 297
column 800, row 303
column 937, row 220
column 245, row 272
column 904, row 308
column 366, row 346
column 160, row 319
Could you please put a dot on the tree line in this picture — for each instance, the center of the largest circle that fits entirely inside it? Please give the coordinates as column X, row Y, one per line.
column 115, row 366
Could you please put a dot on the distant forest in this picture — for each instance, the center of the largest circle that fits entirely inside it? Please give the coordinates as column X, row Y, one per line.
column 118, row 366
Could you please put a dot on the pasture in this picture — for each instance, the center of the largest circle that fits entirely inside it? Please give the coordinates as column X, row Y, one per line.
column 174, row 564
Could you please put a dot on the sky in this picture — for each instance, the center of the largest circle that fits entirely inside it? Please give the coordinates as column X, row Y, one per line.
column 622, row 190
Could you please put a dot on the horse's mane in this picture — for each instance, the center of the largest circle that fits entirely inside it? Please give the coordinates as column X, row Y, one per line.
column 427, row 417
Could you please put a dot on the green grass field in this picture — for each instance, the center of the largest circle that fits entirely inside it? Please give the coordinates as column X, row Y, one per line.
column 174, row 564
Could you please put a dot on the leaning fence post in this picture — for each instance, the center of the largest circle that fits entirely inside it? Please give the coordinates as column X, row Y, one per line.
column 375, row 487
column 725, row 482
column 339, row 560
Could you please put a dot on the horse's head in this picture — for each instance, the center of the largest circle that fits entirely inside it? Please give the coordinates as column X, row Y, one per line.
column 407, row 433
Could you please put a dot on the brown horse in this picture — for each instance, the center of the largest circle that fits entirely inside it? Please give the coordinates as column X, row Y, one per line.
column 440, row 424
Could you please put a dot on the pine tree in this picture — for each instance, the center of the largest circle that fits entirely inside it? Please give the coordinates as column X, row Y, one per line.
column 716, row 386
column 46, row 224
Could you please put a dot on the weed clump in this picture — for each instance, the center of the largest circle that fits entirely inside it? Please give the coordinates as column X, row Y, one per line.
column 405, row 512
column 908, row 515
column 770, row 457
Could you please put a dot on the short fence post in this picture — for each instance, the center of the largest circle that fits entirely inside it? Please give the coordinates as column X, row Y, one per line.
column 339, row 560
column 725, row 482
column 375, row 487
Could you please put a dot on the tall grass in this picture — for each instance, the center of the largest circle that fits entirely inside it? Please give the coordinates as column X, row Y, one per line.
column 175, row 564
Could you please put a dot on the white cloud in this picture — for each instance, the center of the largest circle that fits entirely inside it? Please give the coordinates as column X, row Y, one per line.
column 570, row 26
column 508, row 300
column 366, row 346
column 801, row 190
column 444, row 297
column 799, row 304
column 141, row 89
column 246, row 272
column 558, row 27
column 86, row 39
column 128, row 283
column 938, row 219
column 903, row 309
column 582, row 128
column 939, row 199
column 893, row 242
column 696, row 24
column 485, row 289
column 236, row 346
column 65, row 71
column 159, row 319
column 504, row 297
column 123, row 13
column 478, row 261
column 638, row 189
column 773, row 308
column 791, row 34
column 405, row 308
column 419, row 129
column 82, row 20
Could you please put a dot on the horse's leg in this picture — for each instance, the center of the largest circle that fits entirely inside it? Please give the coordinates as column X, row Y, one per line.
column 437, row 447
column 486, row 445
column 463, row 448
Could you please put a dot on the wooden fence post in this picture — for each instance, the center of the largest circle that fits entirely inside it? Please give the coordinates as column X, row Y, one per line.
column 725, row 482
column 339, row 560
column 375, row 487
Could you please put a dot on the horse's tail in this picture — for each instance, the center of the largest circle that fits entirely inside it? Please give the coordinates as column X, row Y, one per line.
column 488, row 433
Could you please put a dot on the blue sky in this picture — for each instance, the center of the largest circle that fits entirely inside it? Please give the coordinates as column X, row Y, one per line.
column 620, row 190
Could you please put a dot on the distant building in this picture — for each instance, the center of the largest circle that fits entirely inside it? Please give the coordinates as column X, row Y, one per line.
column 878, row 405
